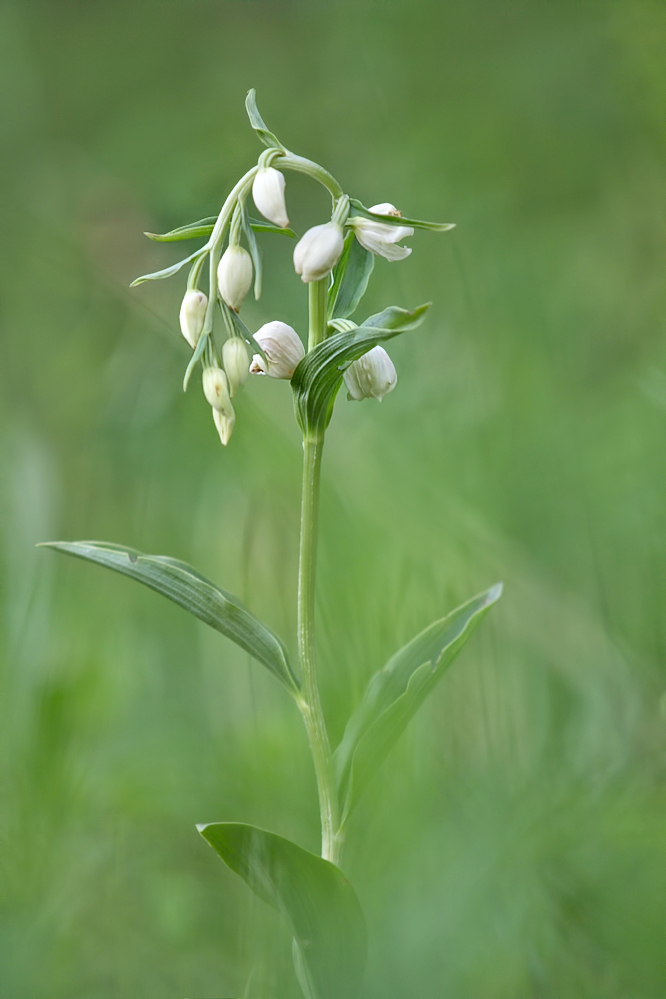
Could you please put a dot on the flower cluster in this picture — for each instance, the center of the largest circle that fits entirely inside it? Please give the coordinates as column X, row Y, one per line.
column 322, row 254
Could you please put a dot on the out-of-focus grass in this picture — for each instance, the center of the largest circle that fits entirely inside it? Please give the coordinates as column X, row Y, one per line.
column 514, row 845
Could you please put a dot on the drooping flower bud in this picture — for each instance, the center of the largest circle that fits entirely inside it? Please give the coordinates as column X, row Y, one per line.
column 216, row 390
column 224, row 424
column 234, row 276
column 282, row 346
column 268, row 194
column 192, row 315
column 371, row 377
column 318, row 251
column 236, row 363
column 379, row 237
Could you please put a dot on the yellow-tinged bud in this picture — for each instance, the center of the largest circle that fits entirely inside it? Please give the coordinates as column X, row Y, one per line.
column 192, row 315
column 216, row 390
column 236, row 363
column 268, row 194
column 234, row 276
column 283, row 348
column 224, row 424
column 371, row 377
column 318, row 251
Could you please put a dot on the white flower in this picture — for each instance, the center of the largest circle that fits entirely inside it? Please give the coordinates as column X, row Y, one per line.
column 282, row 346
column 234, row 276
column 318, row 251
column 192, row 315
column 371, row 377
column 268, row 194
column 236, row 363
column 224, row 425
column 379, row 237
column 216, row 390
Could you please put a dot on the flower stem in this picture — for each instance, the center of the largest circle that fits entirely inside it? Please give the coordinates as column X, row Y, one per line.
column 309, row 702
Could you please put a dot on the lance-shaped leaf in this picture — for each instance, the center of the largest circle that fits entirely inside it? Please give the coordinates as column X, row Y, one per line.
column 314, row 896
column 254, row 252
column 258, row 123
column 350, row 278
column 395, row 693
column 168, row 271
column 204, row 227
column 318, row 376
column 186, row 587
column 401, row 219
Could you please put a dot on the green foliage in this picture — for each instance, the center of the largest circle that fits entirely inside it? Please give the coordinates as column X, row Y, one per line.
column 395, row 693
column 258, row 124
column 196, row 594
column 350, row 279
column 313, row 895
column 318, row 377
column 399, row 220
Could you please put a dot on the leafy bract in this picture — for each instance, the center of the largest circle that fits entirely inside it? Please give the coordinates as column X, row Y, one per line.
column 204, row 228
column 254, row 252
column 168, row 271
column 186, row 587
column 315, row 897
column 350, row 278
column 395, row 692
column 258, row 123
column 318, row 376
column 401, row 219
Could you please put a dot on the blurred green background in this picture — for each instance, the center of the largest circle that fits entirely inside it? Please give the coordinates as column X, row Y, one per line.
column 514, row 846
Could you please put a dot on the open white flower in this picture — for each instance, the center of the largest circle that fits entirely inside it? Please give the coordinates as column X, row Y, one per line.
column 234, row 276
column 268, row 194
column 318, row 251
column 283, row 348
column 371, row 377
column 379, row 237
column 192, row 315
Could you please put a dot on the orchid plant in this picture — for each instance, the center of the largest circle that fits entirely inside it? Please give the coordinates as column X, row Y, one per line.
column 335, row 260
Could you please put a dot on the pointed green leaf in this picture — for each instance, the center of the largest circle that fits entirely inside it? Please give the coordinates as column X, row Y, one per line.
column 254, row 252
column 318, row 376
column 401, row 220
column 168, row 271
column 314, row 896
column 204, row 227
column 395, row 692
column 186, row 587
column 350, row 278
column 258, row 123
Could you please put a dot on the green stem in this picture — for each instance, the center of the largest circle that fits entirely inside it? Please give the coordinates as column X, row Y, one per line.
column 309, row 702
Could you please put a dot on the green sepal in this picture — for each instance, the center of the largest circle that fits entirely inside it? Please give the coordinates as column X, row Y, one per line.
column 314, row 896
column 394, row 694
column 401, row 220
column 192, row 591
column 318, row 377
column 168, row 271
column 204, row 227
column 258, row 123
column 350, row 278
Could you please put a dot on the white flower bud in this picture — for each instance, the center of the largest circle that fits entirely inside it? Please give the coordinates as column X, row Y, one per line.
column 234, row 276
column 379, row 237
column 283, row 348
column 236, row 363
column 192, row 315
column 216, row 390
column 371, row 377
column 268, row 194
column 224, row 424
column 318, row 251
